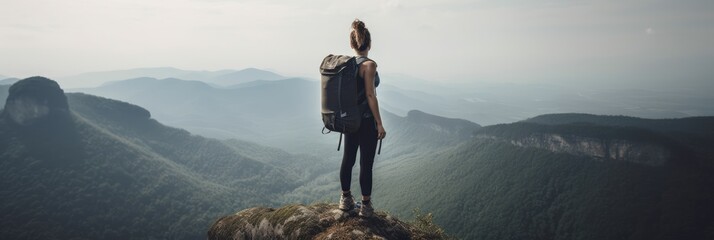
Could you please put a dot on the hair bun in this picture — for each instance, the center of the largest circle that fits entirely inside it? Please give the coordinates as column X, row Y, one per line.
column 360, row 39
column 358, row 25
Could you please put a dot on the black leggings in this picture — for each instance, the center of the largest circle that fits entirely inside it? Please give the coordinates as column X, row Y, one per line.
column 366, row 140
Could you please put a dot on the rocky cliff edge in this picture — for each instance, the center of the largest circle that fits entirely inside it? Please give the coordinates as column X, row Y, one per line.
column 317, row 221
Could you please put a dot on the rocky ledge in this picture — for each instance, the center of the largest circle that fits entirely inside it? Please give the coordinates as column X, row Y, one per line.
column 604, row 149
column 317, row 221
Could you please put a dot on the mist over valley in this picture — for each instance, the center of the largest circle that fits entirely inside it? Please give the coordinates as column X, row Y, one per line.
column 139, row 153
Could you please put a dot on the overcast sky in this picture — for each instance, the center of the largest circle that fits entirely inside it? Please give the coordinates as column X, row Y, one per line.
column 598, row 42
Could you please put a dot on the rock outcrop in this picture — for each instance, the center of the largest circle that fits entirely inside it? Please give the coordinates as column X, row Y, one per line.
column 35, row 99
column 318, row 221
column 602, row 149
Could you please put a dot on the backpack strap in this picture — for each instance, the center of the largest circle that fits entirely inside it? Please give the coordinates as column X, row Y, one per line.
column 361, row 59
column 339, row 143
column 380, row 147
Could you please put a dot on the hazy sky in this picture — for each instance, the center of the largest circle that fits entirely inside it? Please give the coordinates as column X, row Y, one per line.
column 599, row 42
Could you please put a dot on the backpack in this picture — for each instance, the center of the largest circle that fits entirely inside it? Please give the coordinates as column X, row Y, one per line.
column 341, row 109
column 340, row 89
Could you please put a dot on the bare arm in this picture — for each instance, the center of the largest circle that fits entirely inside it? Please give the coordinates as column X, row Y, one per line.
column 368, row 71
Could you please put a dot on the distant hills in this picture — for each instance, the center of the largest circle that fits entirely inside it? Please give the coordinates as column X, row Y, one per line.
column 268, row 112
column 220, row 78
column 503, row 102
column 474, row 100
column 691, row 125
column 273, row 113
column 243, row 76
column 7, row 81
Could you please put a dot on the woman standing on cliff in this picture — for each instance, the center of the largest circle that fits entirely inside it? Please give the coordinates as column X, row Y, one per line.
column 370, row 130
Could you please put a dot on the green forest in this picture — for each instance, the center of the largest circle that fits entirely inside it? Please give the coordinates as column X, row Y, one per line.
column 488, row 189
column 108, row 171
column 105, row 169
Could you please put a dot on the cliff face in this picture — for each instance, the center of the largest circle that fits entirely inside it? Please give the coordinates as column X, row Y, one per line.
column 614, row 149
column 318, row 221
column 603, row 149
column 35, row 99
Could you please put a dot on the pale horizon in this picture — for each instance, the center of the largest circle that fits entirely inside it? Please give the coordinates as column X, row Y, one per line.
column 635, row 44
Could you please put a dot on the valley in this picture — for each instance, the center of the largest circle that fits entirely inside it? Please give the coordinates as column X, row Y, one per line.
column 553, row 176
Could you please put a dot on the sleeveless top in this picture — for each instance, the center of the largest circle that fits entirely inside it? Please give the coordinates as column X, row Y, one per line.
column 362, row 96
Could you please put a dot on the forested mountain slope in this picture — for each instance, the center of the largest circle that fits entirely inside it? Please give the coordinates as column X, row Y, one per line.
column 509, row 182
column 77, row 166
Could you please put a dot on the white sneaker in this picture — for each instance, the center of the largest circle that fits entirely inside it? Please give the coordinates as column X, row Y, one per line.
column 366, row 210
column 347, row 203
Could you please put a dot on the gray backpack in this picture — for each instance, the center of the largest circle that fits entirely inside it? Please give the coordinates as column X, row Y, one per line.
column 341, row 110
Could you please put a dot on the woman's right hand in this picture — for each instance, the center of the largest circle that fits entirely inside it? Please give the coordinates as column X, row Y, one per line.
column 380, row 132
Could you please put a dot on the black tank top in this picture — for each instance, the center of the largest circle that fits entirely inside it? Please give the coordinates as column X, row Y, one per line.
column 362, row 96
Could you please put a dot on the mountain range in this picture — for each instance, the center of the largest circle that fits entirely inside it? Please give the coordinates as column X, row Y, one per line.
column 273, row 113
column 219, row 78
column 7, row 81
column 482, row 102
column 92, row 167
column 478, row 101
